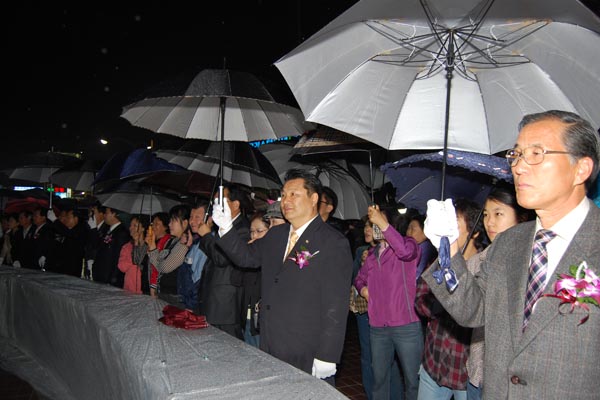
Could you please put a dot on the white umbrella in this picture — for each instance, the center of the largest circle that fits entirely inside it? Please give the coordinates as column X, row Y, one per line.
column 458, row 74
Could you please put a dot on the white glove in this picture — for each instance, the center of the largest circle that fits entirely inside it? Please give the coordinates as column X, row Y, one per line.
column 222, row 216
column 441, row 221
column 16, row 264
column 42, row 262
column 92, row 222
column 50, row 215
column 323, row 369
column 90, row 264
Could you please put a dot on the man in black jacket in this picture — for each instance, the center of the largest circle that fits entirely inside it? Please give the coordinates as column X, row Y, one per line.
column 105, row 267
column 221, row 284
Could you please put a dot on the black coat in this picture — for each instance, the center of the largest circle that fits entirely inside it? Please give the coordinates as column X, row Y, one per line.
column 220, row 293
column 106, row 269
column 23, row 248
column 66, row 252
column 43, row 240
column 303, row 312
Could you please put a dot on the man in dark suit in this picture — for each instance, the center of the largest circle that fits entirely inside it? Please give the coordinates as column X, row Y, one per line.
column 221, row 285
column 96, row 233
column 535, row 347
column 306, row 271
column 43, row 236
column 23, row 246
column 66, row 255
column 105, row 267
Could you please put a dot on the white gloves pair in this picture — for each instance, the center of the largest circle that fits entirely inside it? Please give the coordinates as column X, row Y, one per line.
column 323, row 369
column 441, row 221
column 221, row 216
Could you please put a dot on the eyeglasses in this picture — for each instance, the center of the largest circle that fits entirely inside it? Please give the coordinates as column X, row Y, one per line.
column 258, row 231
column 532, row 155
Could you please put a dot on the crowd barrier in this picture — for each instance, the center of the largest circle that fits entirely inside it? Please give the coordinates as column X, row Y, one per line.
column 75, row 339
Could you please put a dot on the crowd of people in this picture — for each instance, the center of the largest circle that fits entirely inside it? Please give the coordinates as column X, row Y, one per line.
column 284, row 278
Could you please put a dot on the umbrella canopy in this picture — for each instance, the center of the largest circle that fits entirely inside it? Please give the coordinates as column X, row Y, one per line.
column 35, row 167
column 134, row 198
column 191, row 108
column 139, row 162
column 79, row 175
column 417, row 178
column 353, row 199
column 242, row 163
column 361, row 156
column 431, row 74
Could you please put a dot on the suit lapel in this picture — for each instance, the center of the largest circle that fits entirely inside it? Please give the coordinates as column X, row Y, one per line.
column 582, row 248
column 517, row 281
column 304, row 241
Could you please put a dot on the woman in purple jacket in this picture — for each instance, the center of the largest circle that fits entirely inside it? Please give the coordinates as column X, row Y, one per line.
column 388, row 281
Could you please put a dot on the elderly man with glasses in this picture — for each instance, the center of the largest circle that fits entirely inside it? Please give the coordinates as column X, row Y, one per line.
column 541, row 341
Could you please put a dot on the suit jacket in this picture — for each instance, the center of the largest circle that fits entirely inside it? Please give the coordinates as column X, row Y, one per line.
column 66, row 255
column 555, row 357
column 23, row 248
column 221, row 292
column 303, row 312
column 105, row 267
column 42, row 242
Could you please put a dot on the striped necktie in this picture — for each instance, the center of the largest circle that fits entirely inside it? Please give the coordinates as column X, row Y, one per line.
column 537, row 272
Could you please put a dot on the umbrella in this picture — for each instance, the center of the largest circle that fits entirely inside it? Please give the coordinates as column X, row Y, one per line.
column 417, row 178
column 437, row 74
column 242, row 163
column 129, row 165
column 236, row 102
column 352, row 195
column 134, row 198
column 329, row 142
column 79, row 175
column 35, row 167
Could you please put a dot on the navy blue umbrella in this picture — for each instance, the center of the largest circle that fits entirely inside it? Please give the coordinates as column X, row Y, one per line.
column 418, row 178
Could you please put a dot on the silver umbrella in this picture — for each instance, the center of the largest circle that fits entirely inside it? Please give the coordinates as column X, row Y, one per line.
column 459, row 74
column 216, row 105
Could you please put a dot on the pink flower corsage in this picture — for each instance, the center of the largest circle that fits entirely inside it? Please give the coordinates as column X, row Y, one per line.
column 578, row 288
column 303, row 256
column 108, row 239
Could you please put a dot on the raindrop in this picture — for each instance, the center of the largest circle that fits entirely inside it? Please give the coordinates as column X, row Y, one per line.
column 63, row 125
column 137, row 18
column 104, row 50
column 106, row 89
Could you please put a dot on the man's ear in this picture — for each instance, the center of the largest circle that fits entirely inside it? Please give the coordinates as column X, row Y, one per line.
column 585, row 166
column 314, row 198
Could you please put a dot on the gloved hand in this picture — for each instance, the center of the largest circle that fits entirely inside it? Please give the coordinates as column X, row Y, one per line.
column 50, row 215
column 16, row 264
column 42, row 262
column 323, row 369
column 92, row 222
column 441, row 221
column 221, row 216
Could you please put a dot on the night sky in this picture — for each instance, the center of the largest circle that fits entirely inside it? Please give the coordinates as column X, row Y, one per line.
column 70, row 69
